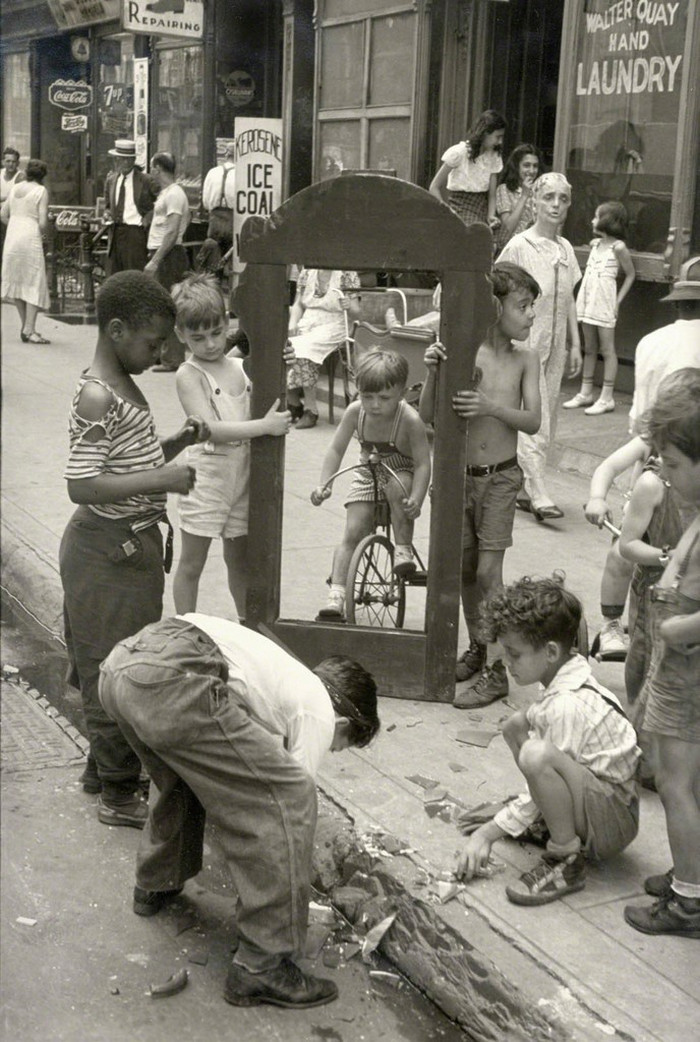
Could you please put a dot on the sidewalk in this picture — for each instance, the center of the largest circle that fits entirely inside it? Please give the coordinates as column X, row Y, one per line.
column 569, row 971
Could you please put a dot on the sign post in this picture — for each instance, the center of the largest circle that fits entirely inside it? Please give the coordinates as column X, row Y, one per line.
column 258, row 161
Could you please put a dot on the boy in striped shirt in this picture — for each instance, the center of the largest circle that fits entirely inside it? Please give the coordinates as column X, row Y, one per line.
column 574, row 745
column 111, row 556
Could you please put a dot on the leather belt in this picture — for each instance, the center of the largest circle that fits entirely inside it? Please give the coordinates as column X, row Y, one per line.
column 481, row 470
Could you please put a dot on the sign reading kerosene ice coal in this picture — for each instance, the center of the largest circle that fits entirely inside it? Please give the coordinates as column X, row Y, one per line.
column 258, row 160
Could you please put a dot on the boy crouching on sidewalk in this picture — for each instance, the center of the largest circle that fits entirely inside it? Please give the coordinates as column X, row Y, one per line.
column 504, row 398
column 574, row 745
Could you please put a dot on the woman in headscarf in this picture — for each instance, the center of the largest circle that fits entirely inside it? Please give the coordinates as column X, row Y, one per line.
column 550, row 259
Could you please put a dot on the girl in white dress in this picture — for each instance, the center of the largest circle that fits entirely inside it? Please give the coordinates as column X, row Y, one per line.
column 598, row 302
column 26, row 214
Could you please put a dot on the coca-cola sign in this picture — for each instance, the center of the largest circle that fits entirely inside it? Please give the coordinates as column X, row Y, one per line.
column 70, row 95
column 68, row 218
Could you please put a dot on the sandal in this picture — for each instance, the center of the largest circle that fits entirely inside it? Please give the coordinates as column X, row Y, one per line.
column 34, row 338
column 547, row 513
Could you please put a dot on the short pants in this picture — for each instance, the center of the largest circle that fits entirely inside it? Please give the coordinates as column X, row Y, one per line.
column 362, row 488
column 489, row 509
column 218, row 503
column 612, row 819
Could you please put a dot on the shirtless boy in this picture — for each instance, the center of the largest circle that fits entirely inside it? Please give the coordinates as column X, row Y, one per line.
column 503, row 400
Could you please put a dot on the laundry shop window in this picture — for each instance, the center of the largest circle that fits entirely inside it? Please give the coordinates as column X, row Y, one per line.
column 364, row 87
column 178, row 112
column 626, row 85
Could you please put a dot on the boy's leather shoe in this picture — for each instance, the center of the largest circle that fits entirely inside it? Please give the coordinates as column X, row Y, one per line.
column 666, row 916
column 149, row 902
column 491, row 685
column 551, row 879
column 471, row 661
column 133, row 813
column 284, row 985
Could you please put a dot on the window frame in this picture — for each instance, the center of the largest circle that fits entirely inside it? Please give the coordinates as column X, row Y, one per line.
column 413, row 110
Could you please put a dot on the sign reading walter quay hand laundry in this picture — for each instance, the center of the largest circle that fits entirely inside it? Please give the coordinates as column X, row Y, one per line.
column 164, row 17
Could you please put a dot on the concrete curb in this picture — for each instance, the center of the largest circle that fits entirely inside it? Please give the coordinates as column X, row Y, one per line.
column 435, row 952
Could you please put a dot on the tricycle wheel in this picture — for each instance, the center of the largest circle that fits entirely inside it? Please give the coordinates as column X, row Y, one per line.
column 374, row 596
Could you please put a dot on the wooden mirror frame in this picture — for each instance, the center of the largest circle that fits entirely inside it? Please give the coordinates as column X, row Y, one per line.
column 366, row 222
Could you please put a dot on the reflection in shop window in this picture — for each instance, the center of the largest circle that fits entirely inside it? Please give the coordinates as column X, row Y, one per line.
column 340, row 148
column 178, row 115
column 16, row 103
column 389, row 141
column 622, row 143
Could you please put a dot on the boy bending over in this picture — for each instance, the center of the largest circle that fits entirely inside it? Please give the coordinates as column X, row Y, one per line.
column 575, row 746
column 504, row 399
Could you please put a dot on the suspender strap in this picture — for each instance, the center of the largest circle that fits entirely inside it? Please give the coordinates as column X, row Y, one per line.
column 222, row 200
column 614, row 705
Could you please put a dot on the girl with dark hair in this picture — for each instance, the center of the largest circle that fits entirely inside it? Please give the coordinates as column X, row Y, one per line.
column 598, row 303
column 26, row 214
column 470, row 169
column 515, row 205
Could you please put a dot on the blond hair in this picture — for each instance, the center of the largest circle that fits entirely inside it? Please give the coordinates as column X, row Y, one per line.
column 199, row 302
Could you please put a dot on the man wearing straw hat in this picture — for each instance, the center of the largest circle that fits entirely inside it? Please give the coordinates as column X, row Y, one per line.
column 130, row 194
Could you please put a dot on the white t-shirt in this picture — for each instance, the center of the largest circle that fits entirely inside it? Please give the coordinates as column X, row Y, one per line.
column 281, row 693
column 213, row 183
column 171, row 200
column 659, row 353
column 470, row 175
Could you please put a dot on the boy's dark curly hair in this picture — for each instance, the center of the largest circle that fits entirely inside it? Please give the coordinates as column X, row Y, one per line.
column 353, row 692
column 539, row 610
column 133, row 297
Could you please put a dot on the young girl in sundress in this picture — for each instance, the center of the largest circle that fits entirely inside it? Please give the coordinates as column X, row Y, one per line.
column 598, row 303
column 470, row 171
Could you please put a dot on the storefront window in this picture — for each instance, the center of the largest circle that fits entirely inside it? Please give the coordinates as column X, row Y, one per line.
column 178, row 113
column 626, row 93
column 16, row 103
column 365, row 95
column 115, row 100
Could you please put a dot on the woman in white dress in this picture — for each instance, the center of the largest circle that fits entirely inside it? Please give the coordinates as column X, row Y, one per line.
column 316, row 327
column 26, row 214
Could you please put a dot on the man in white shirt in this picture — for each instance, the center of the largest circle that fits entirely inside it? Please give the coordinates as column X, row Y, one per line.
column 676, row 346
column 218, row 198
column 130, row 194
column 229, row 725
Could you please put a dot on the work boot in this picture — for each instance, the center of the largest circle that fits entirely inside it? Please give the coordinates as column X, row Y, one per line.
column 149, row 902
column 283, row 985
column 613, row 642
column 491, row 685
column 132, row 812
column 471, row 661
column 548, row 881
column 671, row 914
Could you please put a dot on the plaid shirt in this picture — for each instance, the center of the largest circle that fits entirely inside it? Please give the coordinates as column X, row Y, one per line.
column 580, row 723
